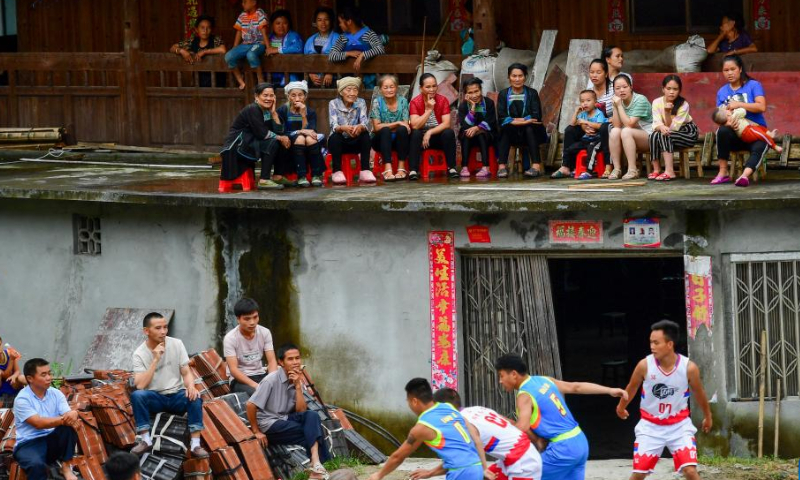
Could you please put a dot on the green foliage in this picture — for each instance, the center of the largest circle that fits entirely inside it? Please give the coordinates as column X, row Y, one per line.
column 59, row 372
column 336, row 463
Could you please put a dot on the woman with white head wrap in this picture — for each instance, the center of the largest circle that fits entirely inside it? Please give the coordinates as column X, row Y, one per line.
column 348, row 121
column 301, row 127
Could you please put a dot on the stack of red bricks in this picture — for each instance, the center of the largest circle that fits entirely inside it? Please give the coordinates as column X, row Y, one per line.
column 107, row 422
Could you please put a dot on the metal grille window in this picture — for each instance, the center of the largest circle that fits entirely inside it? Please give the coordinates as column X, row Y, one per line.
column 766, row 296
column 86, row 235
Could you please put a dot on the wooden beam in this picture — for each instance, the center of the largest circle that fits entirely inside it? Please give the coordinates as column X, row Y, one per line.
column 581, row 53
column 484, row 25
column 543, row 58
column 135, row 97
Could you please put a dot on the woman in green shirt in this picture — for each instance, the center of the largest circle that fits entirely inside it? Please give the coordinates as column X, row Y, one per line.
column 632, row 122
column 390, row 127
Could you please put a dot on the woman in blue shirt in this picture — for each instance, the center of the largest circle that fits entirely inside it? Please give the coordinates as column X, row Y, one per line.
column 321, row 43
column 740, row 92
column 283, row 40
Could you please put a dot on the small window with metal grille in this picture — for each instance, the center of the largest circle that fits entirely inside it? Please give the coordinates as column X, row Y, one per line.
column 86, row 235
column 766, row 298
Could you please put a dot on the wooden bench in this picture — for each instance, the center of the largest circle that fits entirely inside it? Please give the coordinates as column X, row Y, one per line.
column 700, row 153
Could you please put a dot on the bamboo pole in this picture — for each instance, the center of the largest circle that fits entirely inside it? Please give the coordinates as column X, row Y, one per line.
column 777, row 418
column 761, row 388
column 441, row 31
column 422, row 47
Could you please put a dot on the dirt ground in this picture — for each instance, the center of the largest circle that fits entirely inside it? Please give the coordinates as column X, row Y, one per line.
column 620, row 469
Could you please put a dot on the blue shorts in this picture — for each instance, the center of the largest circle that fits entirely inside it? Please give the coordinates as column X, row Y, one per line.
column 566, row 460
column 473, row 472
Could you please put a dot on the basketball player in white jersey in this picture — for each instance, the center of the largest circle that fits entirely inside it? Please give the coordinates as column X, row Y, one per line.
column 669, row 379
column 517, row 458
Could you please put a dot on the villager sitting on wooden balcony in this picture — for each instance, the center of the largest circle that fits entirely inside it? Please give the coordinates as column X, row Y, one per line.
column 245, row 348
column 256, row 133
column 250, row 42
column 477, row 116
column 590, row 120
column 321, row 43
column 519, row 112
column 348, row 126
column 282, row 41
column 673, row 128
column 356, row 41
column 44, row 424
column 633, row 124
column 202, row 43
column 164, row 383
column 11, row 378
column 390, row 127
column 747, row 93
column 300, row 123
column 431, row 126
column 278, row 412
column 733, row 38
column 615, row 60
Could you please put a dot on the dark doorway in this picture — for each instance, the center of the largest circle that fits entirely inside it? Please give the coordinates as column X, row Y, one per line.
column 604, row 308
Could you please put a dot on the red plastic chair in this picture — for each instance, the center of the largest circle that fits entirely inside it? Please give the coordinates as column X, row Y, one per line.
column 583, row 158
column 432, row 161
column 474, row 165
column 378, row 164
column 247, row 181
column 351, row 166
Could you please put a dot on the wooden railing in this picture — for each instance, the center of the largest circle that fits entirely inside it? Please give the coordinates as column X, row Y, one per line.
column 154, row 99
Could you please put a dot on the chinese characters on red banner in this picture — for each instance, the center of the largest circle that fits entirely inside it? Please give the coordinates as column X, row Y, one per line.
column 478, row 234
column 761, row 14
column 460, row 18
column 191, row 10
column 616, row 15
column 567, row 231
column 699, row 295
column 444, row 361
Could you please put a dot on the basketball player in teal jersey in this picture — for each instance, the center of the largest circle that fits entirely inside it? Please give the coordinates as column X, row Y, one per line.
column 542, row 411
column 441, row 427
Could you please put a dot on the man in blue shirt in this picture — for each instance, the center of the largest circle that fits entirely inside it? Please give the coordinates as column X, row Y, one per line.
column 44, row 424
column 442, row 428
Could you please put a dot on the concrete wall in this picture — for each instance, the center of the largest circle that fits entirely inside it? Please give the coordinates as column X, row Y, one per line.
column 52, row 301
column 351, row 288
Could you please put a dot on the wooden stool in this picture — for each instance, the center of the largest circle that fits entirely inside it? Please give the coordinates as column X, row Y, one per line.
column 738, row 160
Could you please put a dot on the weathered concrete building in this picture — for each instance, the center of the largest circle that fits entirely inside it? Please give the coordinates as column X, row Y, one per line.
column 350, row 275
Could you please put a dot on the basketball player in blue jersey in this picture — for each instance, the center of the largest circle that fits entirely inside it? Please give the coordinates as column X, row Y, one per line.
column 441, row 427
column 543, row 413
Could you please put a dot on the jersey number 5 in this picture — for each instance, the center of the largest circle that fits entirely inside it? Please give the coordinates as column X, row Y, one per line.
column 558, row 404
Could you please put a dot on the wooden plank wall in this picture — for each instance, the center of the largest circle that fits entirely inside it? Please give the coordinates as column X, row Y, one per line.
column 587, row 19
column 96, row 26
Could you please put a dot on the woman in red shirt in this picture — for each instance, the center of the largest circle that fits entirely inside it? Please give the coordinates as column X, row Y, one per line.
column 430, row 123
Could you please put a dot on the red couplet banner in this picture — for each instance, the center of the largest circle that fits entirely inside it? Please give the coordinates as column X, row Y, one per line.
column 191, row 10
column 442, row 277
column 699, row 294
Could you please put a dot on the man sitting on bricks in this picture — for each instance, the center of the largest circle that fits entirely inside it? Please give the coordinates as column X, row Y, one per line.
column 246, row 346
column 164, row 383
column 278, row 412
column 43, row 423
